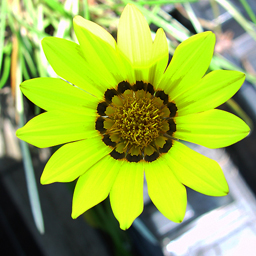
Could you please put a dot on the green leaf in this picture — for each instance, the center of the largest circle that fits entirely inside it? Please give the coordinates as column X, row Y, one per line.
column 3, row 14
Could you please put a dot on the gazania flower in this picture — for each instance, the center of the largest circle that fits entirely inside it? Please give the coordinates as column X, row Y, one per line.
column 122, row 113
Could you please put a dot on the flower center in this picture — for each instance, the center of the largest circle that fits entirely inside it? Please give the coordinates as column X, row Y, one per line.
column 136, row 122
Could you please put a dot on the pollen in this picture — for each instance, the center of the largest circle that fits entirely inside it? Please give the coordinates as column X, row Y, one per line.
column 135, row 122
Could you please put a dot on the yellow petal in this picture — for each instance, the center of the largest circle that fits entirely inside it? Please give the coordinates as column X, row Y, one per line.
column 56, row 94
column 196, row 171
column 213, row 90
column 213, row 128
column 54, row 128
column 100, row 55
column 159, row 58
column 134, row 39
column 74, row 159
column 96, row 30
column 94, row 185
column 126, row 195
column 165, row 191
column 68, row 61
column 190, row 61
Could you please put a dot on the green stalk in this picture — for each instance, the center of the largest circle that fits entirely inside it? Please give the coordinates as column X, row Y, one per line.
column 244, row 23
column 248, row 10
column 162, row 2
column 6, row 70
column 86, row 10
column 57, row 7
column 195, row 22
column 3, row 13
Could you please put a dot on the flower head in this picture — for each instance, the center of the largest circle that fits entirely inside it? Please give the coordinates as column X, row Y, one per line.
column 123, row 113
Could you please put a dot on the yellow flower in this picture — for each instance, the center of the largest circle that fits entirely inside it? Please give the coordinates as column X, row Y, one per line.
column 123, row 113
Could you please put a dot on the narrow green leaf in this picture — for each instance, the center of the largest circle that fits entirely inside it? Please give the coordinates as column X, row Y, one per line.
column 3, row 13
column 6, row 70
column 86, row 10
column 249, row 10
column 29, row 61
column 195, row 22
column 245, row 24
column 24, row 69
column 162, row 2
column 57, row 7
column 30, row 9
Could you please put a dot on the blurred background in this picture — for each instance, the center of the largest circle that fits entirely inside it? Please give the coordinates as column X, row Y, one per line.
column 36, row 219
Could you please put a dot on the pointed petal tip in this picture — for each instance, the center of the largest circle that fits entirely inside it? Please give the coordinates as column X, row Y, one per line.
column 47, row 179
column 44, row 180
column 24, row 83
column 182, row 216
column 76, row 211
column 238, row 75
column 22, row 134
column 178, row 219
column 44, row 41
column 248, row 130
column 210, row 35
column 160, row 30
column 18, row 133
column 241, row 74
column 77, row 18
column 224, row 191
column 207, row 35
column 49, row 42
column 129, row 5
column 245, row 130
column 79, row 21
column 124, row 226
column 131, row 8
column 74, row 216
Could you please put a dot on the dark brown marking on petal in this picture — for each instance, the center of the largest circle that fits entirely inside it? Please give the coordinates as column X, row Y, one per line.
column 172, row 127
column 99, row 125
column 173, row 109
column 106, row 139
column 163, row 96
column 134, row 159
column 139, row 86
column 109, row 94
column 123, row 86
column 101, row 108
column 117, row 155
column 166, row 147
column 150, row 88
column 152, row 157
